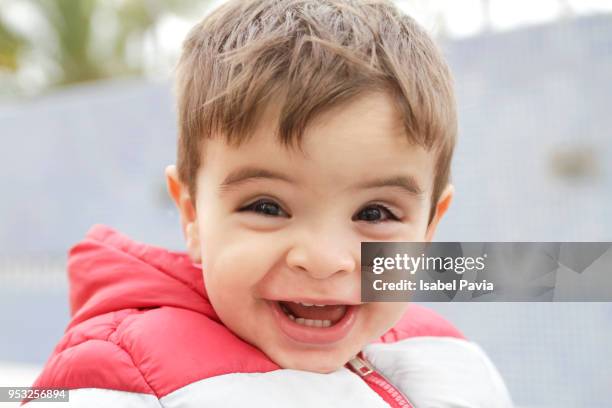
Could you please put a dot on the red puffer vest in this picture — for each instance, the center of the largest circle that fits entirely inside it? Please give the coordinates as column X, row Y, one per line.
column 143, row 334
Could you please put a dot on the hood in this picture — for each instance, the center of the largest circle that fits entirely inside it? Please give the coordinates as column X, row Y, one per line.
column 108, row 272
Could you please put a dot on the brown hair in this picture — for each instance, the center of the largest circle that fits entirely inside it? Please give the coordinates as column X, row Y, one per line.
column 311, row 55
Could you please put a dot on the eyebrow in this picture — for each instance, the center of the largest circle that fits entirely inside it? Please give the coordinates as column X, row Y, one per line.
column 245, row 174
column 406, row 183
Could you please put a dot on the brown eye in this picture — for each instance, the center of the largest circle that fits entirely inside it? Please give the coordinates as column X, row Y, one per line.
column 375, row 213
column 265, row 207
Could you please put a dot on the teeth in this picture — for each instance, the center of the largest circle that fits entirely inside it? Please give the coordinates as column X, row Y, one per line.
column 311, row 322
column 307, row 322
column 310, row 304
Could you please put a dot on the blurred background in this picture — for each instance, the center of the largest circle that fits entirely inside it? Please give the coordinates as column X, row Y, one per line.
column 87, row 125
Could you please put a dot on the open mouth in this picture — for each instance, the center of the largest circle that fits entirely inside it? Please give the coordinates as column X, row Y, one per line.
column 314, row 323
column 312, row 315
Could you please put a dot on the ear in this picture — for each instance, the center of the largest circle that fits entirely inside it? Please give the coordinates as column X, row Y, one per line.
column 441, row 207
column 179, row 193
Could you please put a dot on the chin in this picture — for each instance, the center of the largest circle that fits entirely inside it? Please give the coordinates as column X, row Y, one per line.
column 323, row 362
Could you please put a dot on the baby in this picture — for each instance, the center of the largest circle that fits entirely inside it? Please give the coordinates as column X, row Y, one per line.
column 305, row 128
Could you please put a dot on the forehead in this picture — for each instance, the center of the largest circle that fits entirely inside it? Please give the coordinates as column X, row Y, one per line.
column 360, row 139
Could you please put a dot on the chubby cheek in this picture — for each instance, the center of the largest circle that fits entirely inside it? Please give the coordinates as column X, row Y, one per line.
column 381, row 316
column 232, row 272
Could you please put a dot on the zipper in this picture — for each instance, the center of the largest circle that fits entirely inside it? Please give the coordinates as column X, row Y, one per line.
column 378, row 383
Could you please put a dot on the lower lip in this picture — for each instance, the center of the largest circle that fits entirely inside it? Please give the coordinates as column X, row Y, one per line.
column 315, row 335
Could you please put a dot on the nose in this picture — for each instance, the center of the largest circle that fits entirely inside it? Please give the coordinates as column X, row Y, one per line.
column 323, row 254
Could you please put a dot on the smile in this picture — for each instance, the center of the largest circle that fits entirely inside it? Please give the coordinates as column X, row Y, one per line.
column 314, row 323
column 308, row 314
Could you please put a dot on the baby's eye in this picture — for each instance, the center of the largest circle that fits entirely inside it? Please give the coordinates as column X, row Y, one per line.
column 266, row 207
column 375, row 213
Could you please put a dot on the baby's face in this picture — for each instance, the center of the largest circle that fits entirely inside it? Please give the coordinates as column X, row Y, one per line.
column 279, row 230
